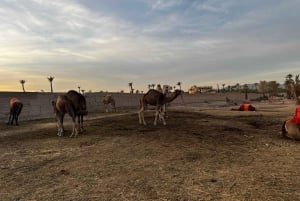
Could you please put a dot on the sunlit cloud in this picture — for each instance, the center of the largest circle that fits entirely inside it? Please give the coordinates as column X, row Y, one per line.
column 103, row 46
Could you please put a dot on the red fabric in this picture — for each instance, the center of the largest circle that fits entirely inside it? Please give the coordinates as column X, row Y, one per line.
column 296, row 118
column 246, row 107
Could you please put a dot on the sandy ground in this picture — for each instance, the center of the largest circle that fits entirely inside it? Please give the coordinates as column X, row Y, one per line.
column 203, row 153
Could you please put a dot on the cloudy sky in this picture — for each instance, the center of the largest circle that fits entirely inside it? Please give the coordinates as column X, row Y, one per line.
column 105, row 44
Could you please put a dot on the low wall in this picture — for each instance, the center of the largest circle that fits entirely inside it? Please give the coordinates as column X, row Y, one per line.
column 37, row 105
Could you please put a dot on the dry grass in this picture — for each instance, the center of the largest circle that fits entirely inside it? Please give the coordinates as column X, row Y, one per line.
column 199, row 155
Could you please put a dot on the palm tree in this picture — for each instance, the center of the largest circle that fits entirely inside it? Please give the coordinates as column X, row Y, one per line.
column 50, row 79
column 79, row 89
column 82, row 90
column 22, row 83
column 131, row 88
column 179, row 84
column 223, row 85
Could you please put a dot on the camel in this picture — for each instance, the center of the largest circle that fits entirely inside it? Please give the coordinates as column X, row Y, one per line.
column 291, row 127
column 79, row 103
column 108, row 99
column 158, row 99
column 158, row 88
column 61, row 106
column 15, row 106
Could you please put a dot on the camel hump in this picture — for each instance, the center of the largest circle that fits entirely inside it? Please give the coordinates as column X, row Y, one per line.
column 13, row 101
column 63, row 104
column 78, row 101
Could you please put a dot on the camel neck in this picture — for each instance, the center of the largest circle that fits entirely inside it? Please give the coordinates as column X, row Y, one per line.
column 171, row 98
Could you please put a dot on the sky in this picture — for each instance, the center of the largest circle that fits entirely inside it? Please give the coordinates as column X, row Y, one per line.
column 102, row 45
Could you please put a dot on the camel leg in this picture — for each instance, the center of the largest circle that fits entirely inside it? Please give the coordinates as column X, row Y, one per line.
column 159, row 115
column 156, row 117
column 16, row 119
column 81, row 124
column 141, row 117
column 60, row 130
column 162, row 117
column 10, row 118
column 17, row 113
column 74, row 130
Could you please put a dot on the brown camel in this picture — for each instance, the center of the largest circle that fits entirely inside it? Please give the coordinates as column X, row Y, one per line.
column 108, row 99
column 291, row 127
column 158, row 99
column 79, row 103
column 61, row 106
column 15, row 106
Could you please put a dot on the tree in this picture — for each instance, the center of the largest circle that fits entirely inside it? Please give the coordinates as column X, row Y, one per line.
column 263, row 88
column 79, row 89
column 223, row 85
column 292, row 87
column 23, row 83
column 256, row 86
column 50, row 79
column 179, row 84
column 288, row 83
column 273, row 88
column 131, row 88
column 246, row 91
column 296, row 89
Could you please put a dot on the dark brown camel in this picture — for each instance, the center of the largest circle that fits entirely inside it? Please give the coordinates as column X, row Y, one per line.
column 61, row 106
column 158, row 99
column 79, row 103
column 15, row 106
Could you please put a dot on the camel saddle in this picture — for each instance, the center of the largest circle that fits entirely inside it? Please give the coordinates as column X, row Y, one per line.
column 296, row 118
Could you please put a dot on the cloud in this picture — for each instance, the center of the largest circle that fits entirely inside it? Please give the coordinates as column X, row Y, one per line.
column 108, row 44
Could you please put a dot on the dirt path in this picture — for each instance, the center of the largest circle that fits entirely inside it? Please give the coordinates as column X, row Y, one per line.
column 202, row 154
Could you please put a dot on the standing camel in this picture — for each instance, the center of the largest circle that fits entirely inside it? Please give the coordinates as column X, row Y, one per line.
column 79, row 103
column 158, row 99
column 61, row 106
column 108, row 99
column 15, row 106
